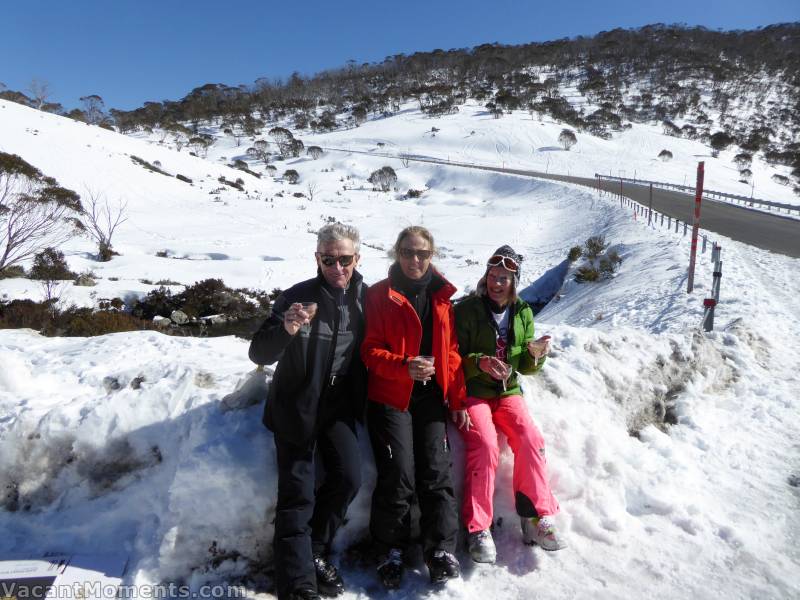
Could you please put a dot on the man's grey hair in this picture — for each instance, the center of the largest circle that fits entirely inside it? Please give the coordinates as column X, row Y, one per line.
column 339, row 231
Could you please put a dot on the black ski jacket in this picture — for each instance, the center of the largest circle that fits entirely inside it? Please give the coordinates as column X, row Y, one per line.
column 304, row 360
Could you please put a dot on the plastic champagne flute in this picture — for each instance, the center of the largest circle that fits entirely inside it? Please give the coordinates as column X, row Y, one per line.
column 429, row 359
column 540, row 344
column 309, row 308
column 509, row 371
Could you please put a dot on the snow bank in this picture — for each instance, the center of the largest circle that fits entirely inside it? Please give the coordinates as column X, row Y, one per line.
column 134, row 442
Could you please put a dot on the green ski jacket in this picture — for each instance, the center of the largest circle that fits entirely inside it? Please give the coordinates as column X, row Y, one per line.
column 477, row 337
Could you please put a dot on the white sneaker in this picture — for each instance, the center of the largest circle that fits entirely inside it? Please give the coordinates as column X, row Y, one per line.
column 541, row 531
column 481, row 546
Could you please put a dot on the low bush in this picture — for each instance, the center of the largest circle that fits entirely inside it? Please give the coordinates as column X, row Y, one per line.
column 150, row 167
column 157, row 302
column 204, row 298
column 594, row 246
column 607, row 267
column 574, row 253
column 12, row 272
column 50, row 265
column 238, row 184
column 86, row 279
column 587, row 273
column 779, row 179
column 84, row 322
column 242, row 166
column 81, row 322
column 594, row 269
column 108, row 304
column 25, row 313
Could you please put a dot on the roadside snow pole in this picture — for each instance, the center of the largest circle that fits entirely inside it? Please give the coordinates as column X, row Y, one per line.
column 711, row 303
column 698, row 196
column 650, row 207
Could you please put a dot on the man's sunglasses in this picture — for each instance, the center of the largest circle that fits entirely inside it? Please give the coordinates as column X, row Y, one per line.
column 343, row 259
column 507, row 263
column 411, row 253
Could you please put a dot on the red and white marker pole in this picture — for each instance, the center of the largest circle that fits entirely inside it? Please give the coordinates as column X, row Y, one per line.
column 698, row 196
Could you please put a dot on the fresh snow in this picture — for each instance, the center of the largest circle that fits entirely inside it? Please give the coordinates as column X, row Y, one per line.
column 146, row 444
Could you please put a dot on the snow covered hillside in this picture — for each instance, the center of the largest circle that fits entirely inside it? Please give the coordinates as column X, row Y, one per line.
column 136, row 442
column 520, row 141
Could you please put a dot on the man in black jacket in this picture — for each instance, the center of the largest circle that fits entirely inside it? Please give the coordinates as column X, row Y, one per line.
column 316, row 396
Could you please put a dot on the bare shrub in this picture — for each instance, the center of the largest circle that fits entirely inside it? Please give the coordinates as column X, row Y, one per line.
column 100, row 221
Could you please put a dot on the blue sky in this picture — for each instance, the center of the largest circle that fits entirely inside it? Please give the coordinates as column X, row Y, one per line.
column 128, row 52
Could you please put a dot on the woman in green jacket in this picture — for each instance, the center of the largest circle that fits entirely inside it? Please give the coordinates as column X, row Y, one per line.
column 496, row 342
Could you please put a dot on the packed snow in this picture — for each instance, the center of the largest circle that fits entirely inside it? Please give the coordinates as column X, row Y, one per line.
column 152, row 445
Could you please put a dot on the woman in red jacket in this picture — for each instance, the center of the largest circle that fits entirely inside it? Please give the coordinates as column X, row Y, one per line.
column 415, row 379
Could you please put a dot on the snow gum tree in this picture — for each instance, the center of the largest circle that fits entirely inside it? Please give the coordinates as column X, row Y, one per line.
column 93, row 106
column 384, row 178
column 567, row 139
column 35, row 212
column 259, row 150
column 40, row 92
column 283, row 138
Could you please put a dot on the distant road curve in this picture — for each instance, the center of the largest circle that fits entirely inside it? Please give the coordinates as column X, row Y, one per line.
column 760, row 229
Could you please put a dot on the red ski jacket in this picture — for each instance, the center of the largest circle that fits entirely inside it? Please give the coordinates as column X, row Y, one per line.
column 394, row 334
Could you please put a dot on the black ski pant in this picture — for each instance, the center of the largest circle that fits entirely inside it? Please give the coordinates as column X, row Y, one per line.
column 309, row 511
column 412, row 455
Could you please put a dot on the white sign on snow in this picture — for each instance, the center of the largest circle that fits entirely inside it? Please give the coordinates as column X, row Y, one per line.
column 67, row 576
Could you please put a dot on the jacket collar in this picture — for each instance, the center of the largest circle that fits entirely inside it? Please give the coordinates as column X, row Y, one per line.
column 355, row 281
column 444, row 289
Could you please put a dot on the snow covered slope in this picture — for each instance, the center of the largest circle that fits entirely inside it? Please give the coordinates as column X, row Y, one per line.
column 132, row 441
column 518, row 140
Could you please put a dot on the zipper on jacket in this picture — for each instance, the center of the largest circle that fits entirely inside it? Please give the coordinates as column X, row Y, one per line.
column 334, row 340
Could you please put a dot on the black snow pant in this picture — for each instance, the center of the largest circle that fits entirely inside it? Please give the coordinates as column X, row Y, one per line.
column 412, row 454
column 309, row 512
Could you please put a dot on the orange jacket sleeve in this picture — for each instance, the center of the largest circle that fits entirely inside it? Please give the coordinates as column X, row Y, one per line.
column 375, row 351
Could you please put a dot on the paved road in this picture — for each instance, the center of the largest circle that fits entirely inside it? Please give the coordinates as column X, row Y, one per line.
column 772, row 232
column 763, row 230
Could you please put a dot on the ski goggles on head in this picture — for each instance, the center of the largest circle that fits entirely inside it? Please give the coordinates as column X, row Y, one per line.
column 506, row 262
column 329, row 260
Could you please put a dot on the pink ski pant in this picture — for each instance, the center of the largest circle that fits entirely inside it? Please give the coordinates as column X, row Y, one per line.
column 510, row 416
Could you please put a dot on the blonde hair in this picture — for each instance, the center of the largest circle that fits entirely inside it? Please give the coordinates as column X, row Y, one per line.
column 413, row 230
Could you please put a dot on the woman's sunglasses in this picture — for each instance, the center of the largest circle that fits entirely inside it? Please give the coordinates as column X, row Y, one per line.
column 329, row 260
column 508, row 263
column 409, row 253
